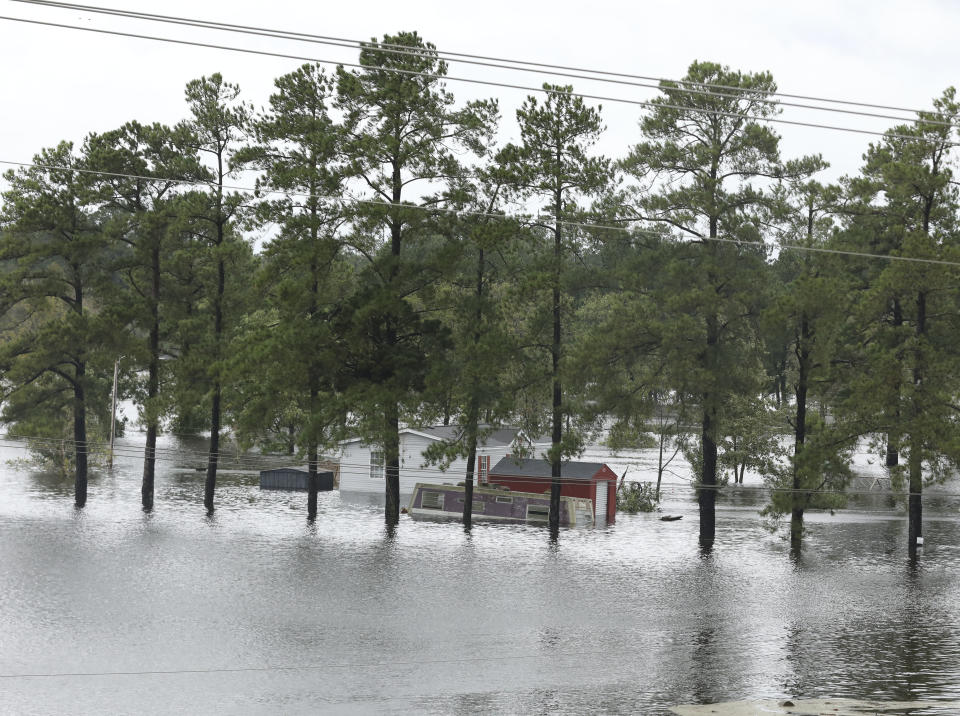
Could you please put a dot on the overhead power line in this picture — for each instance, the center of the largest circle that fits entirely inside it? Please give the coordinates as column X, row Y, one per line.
column 468, row 80
column 619, row 78
column 506, row 217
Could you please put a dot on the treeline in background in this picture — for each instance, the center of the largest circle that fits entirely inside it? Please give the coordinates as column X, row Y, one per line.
column 396, row 265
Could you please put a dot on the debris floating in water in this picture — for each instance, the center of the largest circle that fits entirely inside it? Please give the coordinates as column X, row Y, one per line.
column 814, row 707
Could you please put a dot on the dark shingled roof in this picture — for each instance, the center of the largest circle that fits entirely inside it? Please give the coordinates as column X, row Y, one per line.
column 511, row 466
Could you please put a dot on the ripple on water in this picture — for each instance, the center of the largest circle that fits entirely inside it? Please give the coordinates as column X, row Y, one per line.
column 430, row 618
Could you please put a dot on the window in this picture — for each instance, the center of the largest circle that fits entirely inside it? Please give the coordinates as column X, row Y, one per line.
column 432, row 500
column 537, row 513
column 376, row 464
column 501, row 498
column 483, row 469
column 478, row 506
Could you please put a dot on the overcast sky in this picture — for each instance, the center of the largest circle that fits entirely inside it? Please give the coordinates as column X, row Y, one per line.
column 61, row 84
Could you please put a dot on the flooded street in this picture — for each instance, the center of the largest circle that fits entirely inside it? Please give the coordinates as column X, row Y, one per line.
column 109, row 610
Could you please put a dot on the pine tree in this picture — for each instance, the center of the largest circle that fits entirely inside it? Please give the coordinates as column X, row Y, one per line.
column 220, row 123
column 142, row 167
column 400, row 134
column 908, row 311
column 707, row 154
column 303, row 272
column 55, row 257
column 552, row 163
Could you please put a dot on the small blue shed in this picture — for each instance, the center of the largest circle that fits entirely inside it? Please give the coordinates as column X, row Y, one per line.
column 294, row 478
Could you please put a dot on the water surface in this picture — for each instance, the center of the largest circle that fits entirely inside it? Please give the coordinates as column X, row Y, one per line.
column 110, row 610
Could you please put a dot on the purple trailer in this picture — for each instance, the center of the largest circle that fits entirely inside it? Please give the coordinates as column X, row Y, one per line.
column 496, row 505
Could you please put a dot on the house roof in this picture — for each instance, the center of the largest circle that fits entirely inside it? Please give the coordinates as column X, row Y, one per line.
column 499, row 437
column 305, row 469
column 529, row 467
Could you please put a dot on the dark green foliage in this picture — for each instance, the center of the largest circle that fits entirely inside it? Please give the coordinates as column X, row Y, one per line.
column 907, row 359
column 400, row 134
column 634, row 497
column 57, row 264
column 714, row 155
column 219, row 256
column 303, row 274
column 143, row 167
column 553, row 164
column 393, row 287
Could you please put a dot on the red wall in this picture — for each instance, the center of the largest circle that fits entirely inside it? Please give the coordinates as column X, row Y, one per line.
column 579, row 488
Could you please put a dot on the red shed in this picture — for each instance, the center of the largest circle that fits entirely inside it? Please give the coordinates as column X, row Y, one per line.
column 592, row 480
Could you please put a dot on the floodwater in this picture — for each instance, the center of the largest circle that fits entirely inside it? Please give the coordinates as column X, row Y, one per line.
column 109, row 610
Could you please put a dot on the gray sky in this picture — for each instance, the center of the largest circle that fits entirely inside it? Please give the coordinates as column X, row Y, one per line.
column 61, row 84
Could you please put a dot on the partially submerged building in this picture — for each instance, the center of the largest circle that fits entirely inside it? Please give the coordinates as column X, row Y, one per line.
column 591, row 480
column 362, row 465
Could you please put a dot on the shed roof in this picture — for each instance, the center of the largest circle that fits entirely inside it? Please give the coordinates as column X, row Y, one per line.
column 305, row 469
column 530, row 467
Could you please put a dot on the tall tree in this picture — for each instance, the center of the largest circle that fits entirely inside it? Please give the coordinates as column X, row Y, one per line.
column 810, row 301
column 303, row 273
column 220, row 123
column 142, row 167
column 401, row 137
column 553, row 163
column 706, row 154
column 472, row 382
column 55, row 258
column 909, row 310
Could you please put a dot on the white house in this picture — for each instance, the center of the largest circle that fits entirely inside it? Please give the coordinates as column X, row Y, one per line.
column 362, row 468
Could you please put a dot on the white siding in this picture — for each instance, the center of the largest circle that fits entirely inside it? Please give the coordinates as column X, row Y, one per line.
column 355, row 467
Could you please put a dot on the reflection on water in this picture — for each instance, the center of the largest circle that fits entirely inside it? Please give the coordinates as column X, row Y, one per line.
column 257, row 610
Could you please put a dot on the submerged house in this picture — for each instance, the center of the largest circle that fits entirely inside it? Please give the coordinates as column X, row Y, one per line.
column 362, row 465
column 591, row 480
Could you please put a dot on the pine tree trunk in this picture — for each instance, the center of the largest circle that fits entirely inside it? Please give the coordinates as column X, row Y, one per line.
column 557, row 432
column 468, row 480
column 391, row 447
column 313, row 455
column 391, row 456
column 214, row 452
column 313, row 458
column 708, row 478
column 313, row 377
column 149, row 467
column 893, row 438
column 914, row 504
column 797, row 499
column 80, row 436
column 710, row 425
column 153, row 384
column 915, row 461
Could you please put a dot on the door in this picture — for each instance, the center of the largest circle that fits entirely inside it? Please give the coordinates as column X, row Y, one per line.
column 600, row 504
